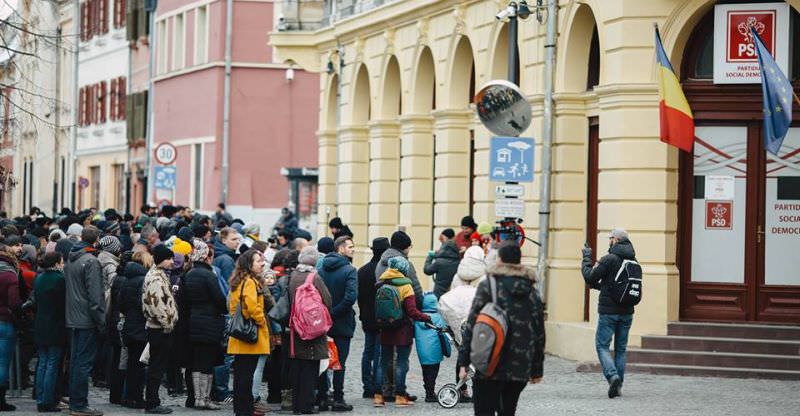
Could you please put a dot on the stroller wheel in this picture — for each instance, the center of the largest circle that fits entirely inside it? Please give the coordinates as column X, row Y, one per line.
column 448, row 396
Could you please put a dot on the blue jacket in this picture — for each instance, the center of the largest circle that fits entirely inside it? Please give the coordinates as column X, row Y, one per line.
column 429, row 347
column 341, row 278
column 224, row 258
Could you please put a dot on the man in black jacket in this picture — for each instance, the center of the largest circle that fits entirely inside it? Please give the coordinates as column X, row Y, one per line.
column 614, row 320
column 371, row 371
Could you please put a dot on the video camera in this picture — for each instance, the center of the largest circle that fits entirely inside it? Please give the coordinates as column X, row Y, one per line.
column 510, row 229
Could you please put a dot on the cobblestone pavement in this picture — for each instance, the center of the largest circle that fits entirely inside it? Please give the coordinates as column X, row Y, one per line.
column 563, row 392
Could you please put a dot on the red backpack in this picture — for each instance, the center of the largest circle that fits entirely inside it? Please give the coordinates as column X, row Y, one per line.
column 309, row 316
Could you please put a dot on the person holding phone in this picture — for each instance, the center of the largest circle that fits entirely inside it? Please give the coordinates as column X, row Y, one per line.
column 443, row 264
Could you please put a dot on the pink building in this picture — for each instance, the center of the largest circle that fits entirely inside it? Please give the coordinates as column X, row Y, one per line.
column 273, row 119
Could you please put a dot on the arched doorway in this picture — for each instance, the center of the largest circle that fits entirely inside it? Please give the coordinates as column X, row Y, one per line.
column 736, row 248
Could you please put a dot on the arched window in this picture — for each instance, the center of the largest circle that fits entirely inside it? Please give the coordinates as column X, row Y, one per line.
column 593, row 75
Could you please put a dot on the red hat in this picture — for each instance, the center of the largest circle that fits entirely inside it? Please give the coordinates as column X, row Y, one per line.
column 475, row 236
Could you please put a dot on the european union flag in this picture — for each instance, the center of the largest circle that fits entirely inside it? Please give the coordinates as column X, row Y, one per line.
column 777, row 98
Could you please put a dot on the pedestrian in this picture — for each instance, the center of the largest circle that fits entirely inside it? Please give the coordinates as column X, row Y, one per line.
column 50, row 329
column 245, row 287
column 400, row 246
column 399, row 338
column 225, row 248
column 220, row 215
column 108, row 256
column 468, row 226
column 207, row 309
column 341, row 279
column 371, row 373
column 161, row 314
column 339, row 229
column 265, row 278
column 134, row 332
column 85, row 317
column 614, row 320
column 9, row 302
column 432, row 346
column 523, row 348
column 305, row 361
column 471, row 269
column 287, row 222
column 116, row 370
column 442, row 264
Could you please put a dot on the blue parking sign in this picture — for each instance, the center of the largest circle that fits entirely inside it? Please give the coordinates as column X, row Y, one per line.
column 165, row 177
column 511, row 159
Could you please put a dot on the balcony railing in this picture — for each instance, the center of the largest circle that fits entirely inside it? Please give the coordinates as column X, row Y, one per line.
column 315, row 14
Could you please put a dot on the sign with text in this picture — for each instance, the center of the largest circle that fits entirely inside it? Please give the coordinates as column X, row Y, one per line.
column 166, row 153
column 720, row 188
column 509, row 208
column 735, row 57
column 509, row 190
column 511, row 159
column 165, row 177
column 719, row 215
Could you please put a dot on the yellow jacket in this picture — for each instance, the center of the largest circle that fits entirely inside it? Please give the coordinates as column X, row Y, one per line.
column 252, row 308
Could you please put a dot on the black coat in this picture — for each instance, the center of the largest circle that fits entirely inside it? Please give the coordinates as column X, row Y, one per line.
column 341, row 279
column 366, row 295
column 444, row 265
column 131, row 304
column 602, row 275
column 206, row 303
column 50, row 327
column 115, row 308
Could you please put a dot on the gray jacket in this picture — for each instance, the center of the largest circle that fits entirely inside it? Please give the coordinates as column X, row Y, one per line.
column 85, row 305
column 412, row 273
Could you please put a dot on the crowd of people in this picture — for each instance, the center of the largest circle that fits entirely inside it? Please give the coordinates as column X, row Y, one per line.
column 183, row 299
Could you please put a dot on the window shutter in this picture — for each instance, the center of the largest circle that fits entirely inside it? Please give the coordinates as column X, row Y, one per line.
column 129, row 126
column 103, row 16
column 81, row 107
column 103, row 101
column 142, row 19
column 130, row 24
column 121, row 103
column 112, row 106
column 84, row 20
column 92, row 25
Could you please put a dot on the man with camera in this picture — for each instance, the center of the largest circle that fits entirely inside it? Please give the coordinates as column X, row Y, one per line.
column 615, row 318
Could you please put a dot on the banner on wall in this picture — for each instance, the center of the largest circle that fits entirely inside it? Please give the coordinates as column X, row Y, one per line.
column 735, row 56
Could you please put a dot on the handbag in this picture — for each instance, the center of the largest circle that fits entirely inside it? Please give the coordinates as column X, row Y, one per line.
column 243, row 329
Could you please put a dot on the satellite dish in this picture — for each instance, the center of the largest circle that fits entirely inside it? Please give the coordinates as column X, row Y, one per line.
column 503, row 109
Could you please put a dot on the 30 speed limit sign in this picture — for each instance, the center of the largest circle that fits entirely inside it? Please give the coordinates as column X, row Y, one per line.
column 166, row 153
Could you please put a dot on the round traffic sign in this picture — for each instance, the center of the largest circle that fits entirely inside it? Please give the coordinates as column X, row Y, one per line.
column 166, row 153
column 162, row 203
column 83, row 182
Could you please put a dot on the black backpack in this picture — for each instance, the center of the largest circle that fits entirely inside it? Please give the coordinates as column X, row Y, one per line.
column 626, row 289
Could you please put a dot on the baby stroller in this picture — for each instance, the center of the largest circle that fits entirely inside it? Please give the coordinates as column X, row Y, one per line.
column 450, row 394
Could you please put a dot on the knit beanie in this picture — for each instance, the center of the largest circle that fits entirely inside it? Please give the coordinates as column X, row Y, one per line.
column 161, row 253
column 74, row 230
column 181, row 247
column 400, row 264
column 484, row 228
column 468, row 221
column 325, row 245
column 110, row 244
column 200, row 251
column 449, row 233
column 509, row 252
column 186, row 234
column 400, row 240
column 309, row 256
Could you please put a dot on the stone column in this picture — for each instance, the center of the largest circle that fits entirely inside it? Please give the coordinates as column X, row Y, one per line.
column 326, row 191
column 416, row 183
column 452, row 129
column 353, row 187
column 384, row 177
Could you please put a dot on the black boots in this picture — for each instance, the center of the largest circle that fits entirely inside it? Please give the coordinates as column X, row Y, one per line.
column 4, row 406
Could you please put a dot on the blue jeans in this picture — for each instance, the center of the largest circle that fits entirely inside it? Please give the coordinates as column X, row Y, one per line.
column 617, row 326
column 84, row 348
column 222, row 377
column 343, row 348
column 47, row 375
column 7, row 342
column 258, row 376
column 371, row 370
column 400, row 367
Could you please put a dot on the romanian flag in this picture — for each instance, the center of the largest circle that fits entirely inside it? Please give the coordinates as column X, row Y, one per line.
column 677, row 122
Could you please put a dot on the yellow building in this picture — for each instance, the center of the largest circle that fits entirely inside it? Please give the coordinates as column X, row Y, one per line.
column 400, row 145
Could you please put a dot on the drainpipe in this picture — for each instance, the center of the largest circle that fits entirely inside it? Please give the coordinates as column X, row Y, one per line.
column 226, row 109
column 58, row 121
column 76, row 22
column 150, row 130
column 547, row 140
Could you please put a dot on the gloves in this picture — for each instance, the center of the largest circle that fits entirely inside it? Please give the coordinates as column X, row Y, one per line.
column 587, row 251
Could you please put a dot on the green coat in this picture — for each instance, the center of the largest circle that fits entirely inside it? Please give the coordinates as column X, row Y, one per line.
column 49, row 289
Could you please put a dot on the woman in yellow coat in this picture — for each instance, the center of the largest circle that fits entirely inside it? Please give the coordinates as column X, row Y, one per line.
column 245, row 285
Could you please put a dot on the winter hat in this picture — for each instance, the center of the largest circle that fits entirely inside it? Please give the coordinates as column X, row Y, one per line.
column 161, row 222
column 112, row 228
column 200, row 251
column 185, row 234
column 475, row 236
column 325, row 245
column 484, row 228
column 336, row 222
column 252, row 229
column 380, row 245
column 50, row 247
column 509, row 252
column 400, row 264
column 400, row 240
column 12, row 240
column 474, row 252
column 468, row 221
column 300, row 233
column 238, row 227
column 110, row 244
column 618, row 233
column 161, row 253
column 309, row 256
column 75, row 230
column 56, row 235
column 64, row 246
column 181, row 247
column 200, row 230
column 449, row 233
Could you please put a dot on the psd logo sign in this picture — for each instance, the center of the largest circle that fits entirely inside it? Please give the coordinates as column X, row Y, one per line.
column 735, row 55
column 719, row 215
column 741, row 44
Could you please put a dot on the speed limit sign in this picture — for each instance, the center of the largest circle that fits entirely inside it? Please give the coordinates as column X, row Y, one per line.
column 166, row 153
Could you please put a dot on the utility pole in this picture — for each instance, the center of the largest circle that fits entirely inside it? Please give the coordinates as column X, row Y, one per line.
column 150, row 7
column 76, row 22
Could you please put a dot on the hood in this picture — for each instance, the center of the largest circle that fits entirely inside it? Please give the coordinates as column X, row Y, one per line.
column 471, row 269
column 79, row 249
column 430, row 304
column 134, row 269
column 449, row 250
column 395, row 277
column 220, row 249
column 334, row 261
column 526, row 275
column 8, row 262
column 105, row 256
column 28, row 253
column 389, row 253
column 623, row 249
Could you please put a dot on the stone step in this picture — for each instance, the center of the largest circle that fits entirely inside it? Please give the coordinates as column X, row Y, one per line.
column 709, row 344
column 699, row 371
column 714, row 359
column 747, row 331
